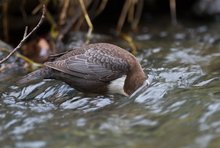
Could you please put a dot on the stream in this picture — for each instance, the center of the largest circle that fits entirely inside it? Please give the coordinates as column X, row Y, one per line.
column 180, row 108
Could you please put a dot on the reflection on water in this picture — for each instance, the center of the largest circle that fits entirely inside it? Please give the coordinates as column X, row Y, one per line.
column 180, row 104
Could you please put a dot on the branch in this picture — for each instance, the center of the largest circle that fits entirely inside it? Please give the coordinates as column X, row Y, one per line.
column 26, row 36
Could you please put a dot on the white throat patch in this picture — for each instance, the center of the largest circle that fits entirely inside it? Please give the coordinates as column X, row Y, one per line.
column 117, row 86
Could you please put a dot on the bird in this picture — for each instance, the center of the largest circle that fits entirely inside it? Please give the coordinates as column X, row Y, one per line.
column 98, row 68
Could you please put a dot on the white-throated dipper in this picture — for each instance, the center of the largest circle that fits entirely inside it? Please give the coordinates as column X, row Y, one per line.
column 95, row 68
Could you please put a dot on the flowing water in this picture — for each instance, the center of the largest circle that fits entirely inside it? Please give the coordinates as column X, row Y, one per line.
column 181, row 107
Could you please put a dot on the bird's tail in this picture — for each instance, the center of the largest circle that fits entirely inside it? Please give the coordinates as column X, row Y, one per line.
column 35, row 76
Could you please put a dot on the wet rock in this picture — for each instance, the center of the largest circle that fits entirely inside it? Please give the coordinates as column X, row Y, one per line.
column 10, row 68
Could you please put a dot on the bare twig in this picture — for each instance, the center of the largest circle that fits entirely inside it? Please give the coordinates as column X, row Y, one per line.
column 101, row 7
column 173, row 11
column 79, row 11
column 86, row 16
column 123, row 15
column 63, row 14
column 139, row 8
column 69, row 23
column 25, row 31
column 26, row 36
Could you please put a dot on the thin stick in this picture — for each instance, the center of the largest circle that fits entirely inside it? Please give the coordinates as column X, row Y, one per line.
column 25, row 31
column 26, row 36
column 101, row 7
column 86, row 16
column 63, row 14
column 137, row 16
column 125, row 9
column 173, row 11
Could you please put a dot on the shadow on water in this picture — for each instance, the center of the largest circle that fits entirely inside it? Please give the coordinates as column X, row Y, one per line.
column 181, row 104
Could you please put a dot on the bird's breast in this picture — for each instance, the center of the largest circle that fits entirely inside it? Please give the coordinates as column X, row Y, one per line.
column 117, row 86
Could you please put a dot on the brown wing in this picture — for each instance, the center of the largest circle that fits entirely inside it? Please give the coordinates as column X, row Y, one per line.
column 93, row 64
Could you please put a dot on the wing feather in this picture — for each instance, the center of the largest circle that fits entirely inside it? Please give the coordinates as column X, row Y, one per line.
column 92, row 64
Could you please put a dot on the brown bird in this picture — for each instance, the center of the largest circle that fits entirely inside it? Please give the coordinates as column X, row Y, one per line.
column 96, row 68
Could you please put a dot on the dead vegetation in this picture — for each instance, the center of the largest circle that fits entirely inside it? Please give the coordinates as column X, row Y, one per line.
column 66, row 16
